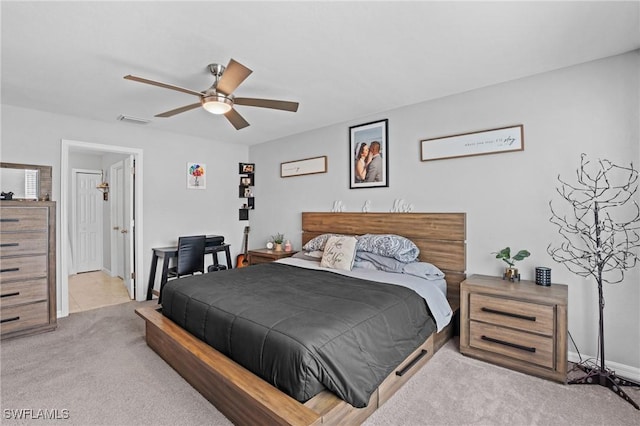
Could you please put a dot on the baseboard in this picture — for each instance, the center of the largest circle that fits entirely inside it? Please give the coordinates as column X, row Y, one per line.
column 622, row 370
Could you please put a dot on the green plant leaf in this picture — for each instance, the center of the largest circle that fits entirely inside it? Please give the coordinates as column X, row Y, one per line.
column 505, row 253
column 521, row 255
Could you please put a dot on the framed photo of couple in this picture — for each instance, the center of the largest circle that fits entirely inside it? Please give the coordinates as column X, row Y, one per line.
column 369, row 155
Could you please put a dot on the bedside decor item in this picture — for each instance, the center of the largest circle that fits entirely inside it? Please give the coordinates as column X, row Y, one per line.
column 287, row 246
column 277, row 239
column 270, row 245
column 543, row 276
column 369, row 155
column 600, row 240
column 366, row 208
column 196, row 178
column 493, row 141
column 511, row 272
column 308, row 166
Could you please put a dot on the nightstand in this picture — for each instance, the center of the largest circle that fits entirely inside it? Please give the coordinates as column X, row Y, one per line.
column 518, row 325
column 265, row 255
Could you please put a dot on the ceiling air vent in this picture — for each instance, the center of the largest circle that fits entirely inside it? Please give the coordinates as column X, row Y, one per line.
column 134, row 120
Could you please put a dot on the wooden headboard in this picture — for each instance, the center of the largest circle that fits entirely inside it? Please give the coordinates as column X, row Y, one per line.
column 441, row 237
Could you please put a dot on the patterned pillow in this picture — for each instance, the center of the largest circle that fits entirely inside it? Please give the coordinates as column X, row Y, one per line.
column 339, row 252
column 318, row 242
column 389, row 245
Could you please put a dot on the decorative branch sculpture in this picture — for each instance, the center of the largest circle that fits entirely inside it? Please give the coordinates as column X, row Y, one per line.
column 598, row 242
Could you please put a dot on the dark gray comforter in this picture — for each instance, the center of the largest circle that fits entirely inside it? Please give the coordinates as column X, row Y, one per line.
column 303, row 330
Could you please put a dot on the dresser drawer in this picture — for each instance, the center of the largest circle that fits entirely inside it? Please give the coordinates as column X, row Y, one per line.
column 21, row 268
column 527, row 316
column 23, row 219
column 19, row 317
column 528, row 347
column 21, row 292
column 19, row 243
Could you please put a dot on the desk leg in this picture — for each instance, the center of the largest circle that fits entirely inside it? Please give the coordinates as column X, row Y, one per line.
column 152, row 275
column 163, row 279
column 228, row 253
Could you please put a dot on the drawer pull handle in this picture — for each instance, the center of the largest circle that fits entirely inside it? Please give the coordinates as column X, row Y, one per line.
column 508, row 314
column 15, row 293
column 9, row 319
column 413, row 362
column 9, row 244
column 10, row 270
column 9, row 220
column 511, row 345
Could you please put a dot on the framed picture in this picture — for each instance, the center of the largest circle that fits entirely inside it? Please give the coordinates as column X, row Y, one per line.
column 196, row 176
column 308, row 166
column 369, row 155
column 247, row 180
column 245, row 168
column 492, row 141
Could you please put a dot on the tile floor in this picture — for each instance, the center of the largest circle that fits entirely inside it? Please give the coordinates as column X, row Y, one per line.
column 91, row 290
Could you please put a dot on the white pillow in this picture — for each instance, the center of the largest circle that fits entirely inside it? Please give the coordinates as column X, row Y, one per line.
column 339, row 252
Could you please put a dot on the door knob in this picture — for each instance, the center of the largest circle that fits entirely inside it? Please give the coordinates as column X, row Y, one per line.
column 124, row 231
column 115, row 228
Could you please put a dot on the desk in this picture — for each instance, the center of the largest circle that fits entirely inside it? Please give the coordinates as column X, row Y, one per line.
column 167, row 253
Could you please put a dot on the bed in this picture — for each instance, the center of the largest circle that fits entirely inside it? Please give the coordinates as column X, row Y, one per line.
column 244, row 397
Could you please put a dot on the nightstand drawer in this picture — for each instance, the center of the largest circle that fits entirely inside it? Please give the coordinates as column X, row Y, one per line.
column 527, row 316
column 516, row 344
column 21, row 292
column 24, row 316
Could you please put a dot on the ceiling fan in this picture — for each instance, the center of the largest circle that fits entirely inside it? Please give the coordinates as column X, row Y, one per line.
column 219, row 99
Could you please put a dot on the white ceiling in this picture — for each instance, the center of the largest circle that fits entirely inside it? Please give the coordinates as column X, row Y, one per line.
column 341, row 60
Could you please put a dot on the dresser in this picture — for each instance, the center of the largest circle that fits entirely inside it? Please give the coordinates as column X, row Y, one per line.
column 518, row 325
column 27, row 267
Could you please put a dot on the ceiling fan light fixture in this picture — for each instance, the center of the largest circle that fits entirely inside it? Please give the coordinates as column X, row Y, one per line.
column 217, row 104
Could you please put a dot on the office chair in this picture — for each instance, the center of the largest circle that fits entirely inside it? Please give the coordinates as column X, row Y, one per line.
column 190, row 258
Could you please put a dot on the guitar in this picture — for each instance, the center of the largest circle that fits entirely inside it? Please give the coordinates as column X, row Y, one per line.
column 243, row 259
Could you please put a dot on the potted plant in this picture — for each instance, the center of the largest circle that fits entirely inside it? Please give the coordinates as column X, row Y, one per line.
column 511, row 272
column 278, row 239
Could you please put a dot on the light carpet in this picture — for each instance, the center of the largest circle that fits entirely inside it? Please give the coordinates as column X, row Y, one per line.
column 96, row 369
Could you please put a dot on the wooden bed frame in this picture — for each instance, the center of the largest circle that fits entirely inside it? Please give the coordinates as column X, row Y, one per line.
column 246, row 399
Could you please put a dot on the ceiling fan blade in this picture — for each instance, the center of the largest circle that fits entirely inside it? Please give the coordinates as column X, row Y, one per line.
column 178, row 110
column 236, row 119
column 234, row 74
column 166, row 86
column 267, row 103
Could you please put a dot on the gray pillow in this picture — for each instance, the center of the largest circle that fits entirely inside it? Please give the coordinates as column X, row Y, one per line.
column 389, row 245
column 382, row 263
column 318, row 242
column 423, row 270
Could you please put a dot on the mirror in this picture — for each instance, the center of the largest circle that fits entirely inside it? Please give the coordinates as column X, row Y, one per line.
column 26, row 181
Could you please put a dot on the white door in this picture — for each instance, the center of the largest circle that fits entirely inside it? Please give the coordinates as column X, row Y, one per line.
column 87, row 221
column 116, row 171
column 129, row 230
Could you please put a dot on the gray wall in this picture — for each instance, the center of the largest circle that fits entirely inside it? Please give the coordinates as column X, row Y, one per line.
column 591, row 108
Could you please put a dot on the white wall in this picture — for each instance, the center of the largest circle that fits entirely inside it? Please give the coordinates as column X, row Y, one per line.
column 170, row 210
column 591, row 108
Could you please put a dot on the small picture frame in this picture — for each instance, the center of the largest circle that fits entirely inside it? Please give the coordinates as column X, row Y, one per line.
column 247, row 180
column 196, row 176
column 245, row 168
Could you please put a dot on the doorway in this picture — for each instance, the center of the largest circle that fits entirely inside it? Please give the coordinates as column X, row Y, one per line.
column 133, row 224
